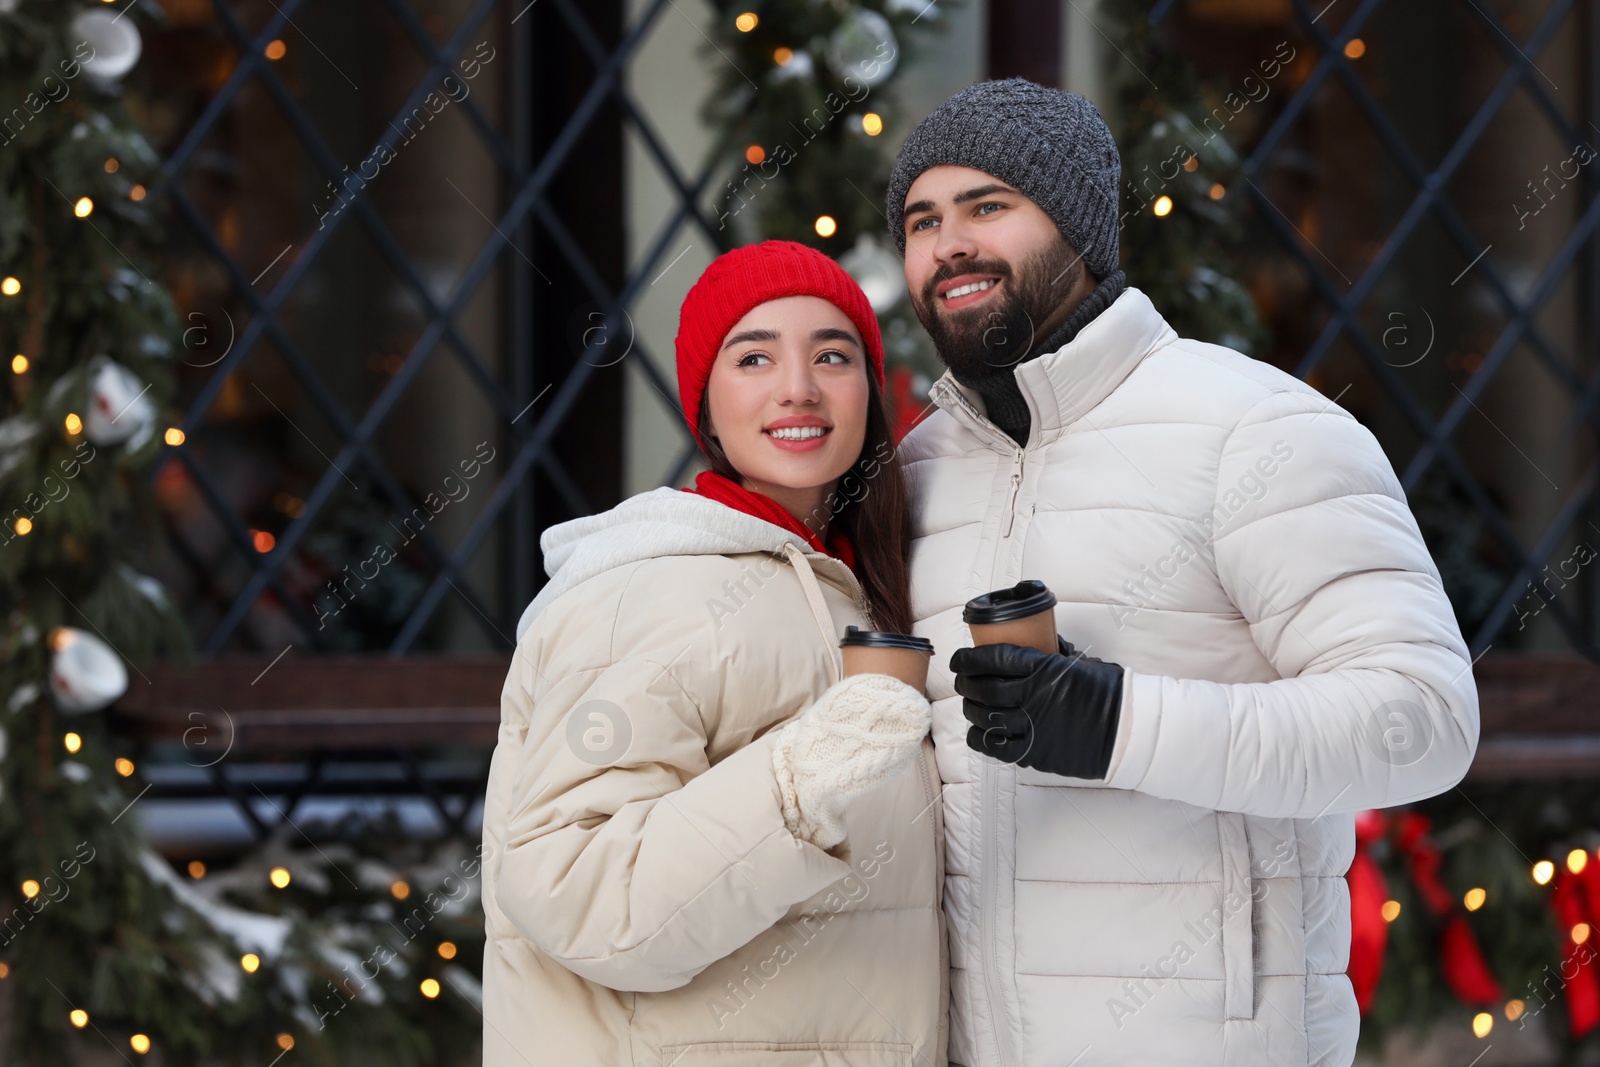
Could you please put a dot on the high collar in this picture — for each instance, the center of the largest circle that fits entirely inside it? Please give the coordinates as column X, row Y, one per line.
column 1061, row 387
column 1002, row 399
column 664, row 522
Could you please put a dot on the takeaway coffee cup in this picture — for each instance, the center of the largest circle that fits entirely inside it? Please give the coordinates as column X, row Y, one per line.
column 1020, row 615
column 879, row 652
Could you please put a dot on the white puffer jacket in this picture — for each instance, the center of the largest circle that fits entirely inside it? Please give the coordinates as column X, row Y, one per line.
column 1242, row 547
column 645, row 902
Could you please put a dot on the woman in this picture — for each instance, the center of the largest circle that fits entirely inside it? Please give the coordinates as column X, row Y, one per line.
column 701, row 846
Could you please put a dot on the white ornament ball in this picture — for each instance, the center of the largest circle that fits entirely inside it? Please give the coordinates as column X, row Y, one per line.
column 877, row 270
column 86, row 674
column 863, row 47
column 115, row 42
column 119, row 407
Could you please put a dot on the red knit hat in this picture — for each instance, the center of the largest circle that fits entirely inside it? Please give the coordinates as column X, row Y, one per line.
column 740, row 280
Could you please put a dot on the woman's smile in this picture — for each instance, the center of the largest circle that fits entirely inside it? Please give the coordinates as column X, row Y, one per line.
column 798, row 433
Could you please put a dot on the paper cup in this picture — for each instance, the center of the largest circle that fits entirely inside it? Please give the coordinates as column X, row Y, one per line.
column 901, row 656
column 1021, row 615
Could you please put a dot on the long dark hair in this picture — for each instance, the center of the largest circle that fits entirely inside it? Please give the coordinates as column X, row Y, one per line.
column 870, row 505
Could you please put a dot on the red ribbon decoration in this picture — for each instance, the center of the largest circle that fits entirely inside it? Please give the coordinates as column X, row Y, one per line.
column 1461, row 959
column 1579, row 978
column 1369, row 933
column 1466, row 972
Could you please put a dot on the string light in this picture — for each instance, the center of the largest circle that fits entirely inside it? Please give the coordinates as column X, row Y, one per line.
column 30, row 889
column 73, row 423
column 754, row 154
column 262, row 540
column 279, row 877
column 139, row 1043
column 872, row 123
column 1217, row 192
column 275, row 50
column 1543, row 871
column 1391, row 910
column 1577, row 860
column 1163, row 206
column 826, row 226
column 1474, row 899
column 173, row 436
column 83, row 208
column 5, row 970
column 250, row 962
column 124, row 766
column 429, row 987
column 1580, row 933
column 1191, row 164
column 781, row 56
column 747, row 21
column 400, row 889
column 1514, row 1009
column 79, row 1017
column 286, row 1041
column 10, row 286
column 447, row 950
column 197, row 870
column 1355, row 48
column 23, row 525
column 1482, row 1023
column 19, row 364
column 136, row 194
column 73, row 742
column 112, row 165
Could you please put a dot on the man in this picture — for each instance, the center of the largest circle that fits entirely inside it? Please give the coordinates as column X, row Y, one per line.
column 1148, row 830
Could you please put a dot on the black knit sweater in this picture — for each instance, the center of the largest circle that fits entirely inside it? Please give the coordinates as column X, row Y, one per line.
column 1002, row 397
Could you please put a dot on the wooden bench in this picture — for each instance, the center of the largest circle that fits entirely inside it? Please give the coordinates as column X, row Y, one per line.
column 270, row 734
column 314, row 703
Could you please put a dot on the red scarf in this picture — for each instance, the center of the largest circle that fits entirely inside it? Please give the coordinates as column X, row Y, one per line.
column 714, row 486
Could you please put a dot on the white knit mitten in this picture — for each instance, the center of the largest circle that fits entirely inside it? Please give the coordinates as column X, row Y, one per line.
column 858, row 734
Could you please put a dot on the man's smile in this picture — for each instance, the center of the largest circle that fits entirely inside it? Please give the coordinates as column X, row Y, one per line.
column 966, row 290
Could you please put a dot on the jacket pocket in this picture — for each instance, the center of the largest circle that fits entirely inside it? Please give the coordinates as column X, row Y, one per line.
column 787, row 1054
column 1238, row 919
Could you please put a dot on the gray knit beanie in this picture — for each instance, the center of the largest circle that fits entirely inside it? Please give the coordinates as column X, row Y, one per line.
column 1051, row 145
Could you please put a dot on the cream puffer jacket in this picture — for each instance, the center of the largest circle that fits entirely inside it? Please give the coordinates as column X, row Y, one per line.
column 645, row 904
column 1242, row 547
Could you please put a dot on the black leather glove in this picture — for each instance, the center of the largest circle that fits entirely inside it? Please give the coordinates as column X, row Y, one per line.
column 1055, row 713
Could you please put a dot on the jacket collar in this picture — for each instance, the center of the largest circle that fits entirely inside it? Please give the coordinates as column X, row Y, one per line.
column 1063, row 386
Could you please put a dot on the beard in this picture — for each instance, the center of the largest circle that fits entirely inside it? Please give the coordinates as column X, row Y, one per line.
column 992, row 337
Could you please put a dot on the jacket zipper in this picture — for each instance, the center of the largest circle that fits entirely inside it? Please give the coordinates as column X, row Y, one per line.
column 988, row 773
column 1016, row 488
column 990, row 777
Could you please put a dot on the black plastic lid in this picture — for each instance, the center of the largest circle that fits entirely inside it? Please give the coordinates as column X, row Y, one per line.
column 854, row 638
column 1007, row 605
